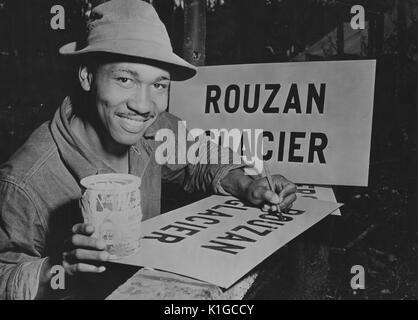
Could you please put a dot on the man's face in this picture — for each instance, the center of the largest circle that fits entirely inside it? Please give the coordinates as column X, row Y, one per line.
column 128, row 98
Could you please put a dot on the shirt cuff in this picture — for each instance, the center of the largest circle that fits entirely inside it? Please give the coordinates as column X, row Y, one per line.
column 222, row 173
column 24, row 282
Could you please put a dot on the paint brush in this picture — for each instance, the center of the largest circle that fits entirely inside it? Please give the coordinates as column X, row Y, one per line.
column 271, row 185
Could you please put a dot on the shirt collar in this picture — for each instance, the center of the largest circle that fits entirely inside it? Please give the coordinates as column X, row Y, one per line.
column 152, row 129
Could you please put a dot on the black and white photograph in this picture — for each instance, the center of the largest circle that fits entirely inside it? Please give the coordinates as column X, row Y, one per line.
column 224, row 152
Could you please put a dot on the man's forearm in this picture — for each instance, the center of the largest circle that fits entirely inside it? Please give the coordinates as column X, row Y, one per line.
column 236, row 183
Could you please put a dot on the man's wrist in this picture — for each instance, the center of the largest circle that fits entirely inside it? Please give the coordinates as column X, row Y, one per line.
column 45, row 279
column 236, row 182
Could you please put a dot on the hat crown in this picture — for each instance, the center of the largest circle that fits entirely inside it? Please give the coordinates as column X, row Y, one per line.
column 123, row 10
column 126, row 19
column 130, row 28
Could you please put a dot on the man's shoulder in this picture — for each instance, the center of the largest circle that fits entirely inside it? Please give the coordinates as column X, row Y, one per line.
column 169, row 119
column 30, row 157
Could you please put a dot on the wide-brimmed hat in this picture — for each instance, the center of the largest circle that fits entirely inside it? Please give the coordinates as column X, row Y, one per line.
column 131, row 28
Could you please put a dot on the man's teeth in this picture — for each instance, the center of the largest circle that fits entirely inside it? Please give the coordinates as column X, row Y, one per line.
column 133, row 123
column 132, row 118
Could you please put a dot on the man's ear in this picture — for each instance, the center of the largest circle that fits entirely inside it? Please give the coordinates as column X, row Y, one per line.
column 85, row 77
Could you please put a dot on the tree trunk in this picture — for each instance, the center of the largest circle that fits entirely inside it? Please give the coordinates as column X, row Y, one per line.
column 194, row 31
column 340, row 34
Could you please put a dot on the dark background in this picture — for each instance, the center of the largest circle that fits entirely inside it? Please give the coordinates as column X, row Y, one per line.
column 379, row 225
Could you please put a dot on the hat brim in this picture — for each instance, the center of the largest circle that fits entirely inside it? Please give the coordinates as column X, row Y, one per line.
column 178, row 68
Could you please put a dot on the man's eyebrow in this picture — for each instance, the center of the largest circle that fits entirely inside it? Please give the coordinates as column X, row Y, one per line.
column 137, row 75
column 162, row 78
column 131, row 72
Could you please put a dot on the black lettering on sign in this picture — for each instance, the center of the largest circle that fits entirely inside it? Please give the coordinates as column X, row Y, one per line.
column 306, row 186
column 280, row 155
column 294, row 212
column 235, row 203
column 317, row 148
column 205, row 219
column 164, row 237
column 295, row 146
column 305, row 189
column 274, row 88
column 251, row 101
column 269, row 154
column 235, row 237
column 231, row 207
column 293, row 100
column 276, row 218
column 224, row 247
column 241, row 147
column 248, row 146
column 214, row 213
column 260, row 223
column 256, row 102
column 213, row 93
column 187, row 231
column 191, row 225
column 264, row 233
column 318, row 97
column 227, row 102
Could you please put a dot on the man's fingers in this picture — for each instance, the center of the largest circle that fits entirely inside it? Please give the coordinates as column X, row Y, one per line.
column 271, row 197
column 262, row 195
column 258, row 195
column 86, row 242
column 83, row 228
column 82, row 267
column 265, row 208
column 287, row 190
column 82, row 254
column 288, row 202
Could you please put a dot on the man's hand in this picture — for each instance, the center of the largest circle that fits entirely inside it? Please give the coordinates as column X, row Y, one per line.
column 258, row 193
column 86, row 252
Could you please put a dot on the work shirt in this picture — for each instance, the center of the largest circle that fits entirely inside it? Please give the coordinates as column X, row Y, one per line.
column 40, row 189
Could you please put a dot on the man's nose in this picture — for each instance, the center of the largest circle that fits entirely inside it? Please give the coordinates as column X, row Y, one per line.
column 142, row 101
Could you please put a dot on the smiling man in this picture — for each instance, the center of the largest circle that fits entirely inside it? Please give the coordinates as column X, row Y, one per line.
column 128, row 98
column 108, row 125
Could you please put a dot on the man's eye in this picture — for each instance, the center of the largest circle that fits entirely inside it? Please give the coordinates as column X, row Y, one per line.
column 160, row 85
column 124, row 80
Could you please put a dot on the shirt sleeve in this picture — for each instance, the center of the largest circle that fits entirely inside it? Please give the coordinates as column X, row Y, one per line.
column 198, row 164
column 20, row 244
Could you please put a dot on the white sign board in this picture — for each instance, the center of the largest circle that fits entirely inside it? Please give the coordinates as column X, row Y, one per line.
column 219, row 240
column 316, row 117
column 317, row 192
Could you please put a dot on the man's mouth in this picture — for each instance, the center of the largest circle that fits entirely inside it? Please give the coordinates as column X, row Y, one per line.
column 133, row 122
